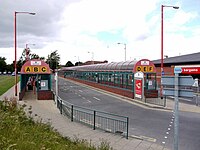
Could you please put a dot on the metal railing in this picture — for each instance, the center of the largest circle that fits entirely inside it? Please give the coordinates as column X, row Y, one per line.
column 96, row 119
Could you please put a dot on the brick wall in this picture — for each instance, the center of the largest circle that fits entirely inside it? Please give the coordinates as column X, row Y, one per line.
column 45, row 95
column 123, row 92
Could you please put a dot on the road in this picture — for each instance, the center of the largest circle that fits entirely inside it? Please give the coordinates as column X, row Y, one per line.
column 144, row 122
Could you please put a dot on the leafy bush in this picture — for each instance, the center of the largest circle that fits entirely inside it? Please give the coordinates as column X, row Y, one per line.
column 17, row 131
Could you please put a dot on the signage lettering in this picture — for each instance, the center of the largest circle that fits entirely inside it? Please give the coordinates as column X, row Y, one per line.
column 43, row 69
column 150, row 69
column 36, row 63
column 187, row 70
column 144, row 68
column 138, row 88
column 28, row 69
column 139, row 68
column 34, row 69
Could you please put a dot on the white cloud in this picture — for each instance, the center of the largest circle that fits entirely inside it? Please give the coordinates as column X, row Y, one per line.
column 136, row 23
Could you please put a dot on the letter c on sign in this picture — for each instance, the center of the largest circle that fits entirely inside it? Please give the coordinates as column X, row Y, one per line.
column 44, row 69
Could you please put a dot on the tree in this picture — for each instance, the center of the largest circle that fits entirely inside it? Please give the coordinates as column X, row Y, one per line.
column 10, row 68
column 69, row 64
column 78, row 63
column 2, row 64
column 34, row 56
column 22, row 59
column 53, row 60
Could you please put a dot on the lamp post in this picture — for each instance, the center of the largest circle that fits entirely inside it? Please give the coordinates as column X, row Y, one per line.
column 78, row 60
column 92, row 57
column 176, row 132
column 162, row 7
column 161, row 64
column 15, row 43
column 27, row 51
column 124, row 48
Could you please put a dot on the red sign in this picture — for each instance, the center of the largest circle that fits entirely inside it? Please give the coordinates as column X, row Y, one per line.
column 144, row 65
column 138, row 88
column 190, row 70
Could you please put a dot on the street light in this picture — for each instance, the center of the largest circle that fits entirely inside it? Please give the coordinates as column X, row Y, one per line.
column 161, row 64
column 124, row 48
column 78, row 60
column 15, row 43
column 162, row 6
column 92, row 57
column 27, row 51
column 161, row 88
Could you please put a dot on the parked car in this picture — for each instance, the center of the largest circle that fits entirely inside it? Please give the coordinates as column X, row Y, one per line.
column 13, row 74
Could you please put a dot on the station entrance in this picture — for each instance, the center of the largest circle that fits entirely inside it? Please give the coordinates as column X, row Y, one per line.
column 35, row 81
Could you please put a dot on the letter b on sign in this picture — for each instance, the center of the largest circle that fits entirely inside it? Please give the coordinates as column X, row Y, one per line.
column 35, row 69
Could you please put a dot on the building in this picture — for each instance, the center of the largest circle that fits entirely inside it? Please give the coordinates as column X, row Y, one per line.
column 190, row 63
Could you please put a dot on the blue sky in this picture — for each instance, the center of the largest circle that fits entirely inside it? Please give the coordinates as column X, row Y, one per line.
column 75, row 28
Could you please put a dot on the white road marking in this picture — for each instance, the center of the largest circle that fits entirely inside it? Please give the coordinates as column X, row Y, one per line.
column 170, row 125
column 171, row 122
column 96, row 98
column 80, row 90
column 79, row 95
column 168, row 129
column 83, row 97
column 165, row 137
column 163, row 142
column 88, row 101
column 167, row 132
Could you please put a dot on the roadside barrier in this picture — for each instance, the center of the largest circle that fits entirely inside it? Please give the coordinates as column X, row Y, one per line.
column 96, row 119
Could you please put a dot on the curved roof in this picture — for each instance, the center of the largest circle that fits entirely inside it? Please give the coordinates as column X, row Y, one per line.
column 113, row 66
column 35, row 66
column 124, row 66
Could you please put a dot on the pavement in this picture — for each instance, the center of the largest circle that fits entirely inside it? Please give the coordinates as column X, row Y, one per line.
column 47, row 111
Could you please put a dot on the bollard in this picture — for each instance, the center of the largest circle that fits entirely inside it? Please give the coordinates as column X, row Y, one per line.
column 60, row 106
column 94, row 120
column 72, row 109
column 127, row 128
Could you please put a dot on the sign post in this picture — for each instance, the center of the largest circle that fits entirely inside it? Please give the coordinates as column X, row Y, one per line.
column 168, row 82
column 176, row 115
column 139, row 85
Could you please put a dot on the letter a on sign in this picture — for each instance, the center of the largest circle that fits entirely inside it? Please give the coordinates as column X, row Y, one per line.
column 27, row 69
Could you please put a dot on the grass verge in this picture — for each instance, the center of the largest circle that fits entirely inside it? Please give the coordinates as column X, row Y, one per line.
column 6, row 82
column 19, row 132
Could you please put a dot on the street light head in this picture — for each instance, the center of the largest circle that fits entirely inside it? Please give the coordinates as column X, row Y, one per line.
column 32, row 13
column 175, row 7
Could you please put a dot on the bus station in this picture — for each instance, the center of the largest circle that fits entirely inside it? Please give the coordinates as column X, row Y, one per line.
column 35, row 80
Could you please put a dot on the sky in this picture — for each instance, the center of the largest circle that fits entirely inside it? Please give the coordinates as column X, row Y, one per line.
column 83, row 30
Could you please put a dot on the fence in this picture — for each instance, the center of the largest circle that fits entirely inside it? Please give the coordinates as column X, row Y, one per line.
column 96, row 119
